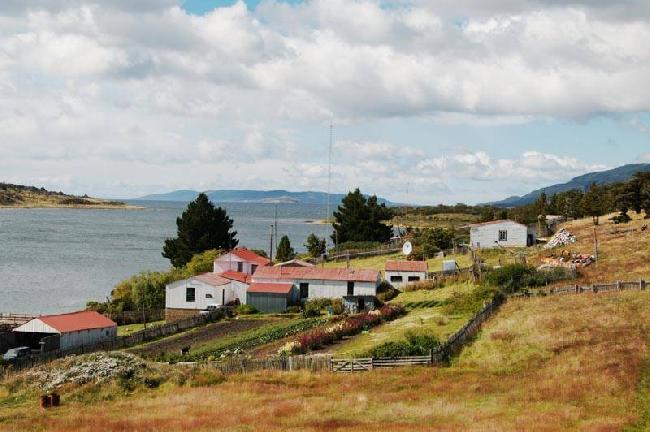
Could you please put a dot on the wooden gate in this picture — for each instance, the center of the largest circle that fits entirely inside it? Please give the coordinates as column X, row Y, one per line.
column 351, row 365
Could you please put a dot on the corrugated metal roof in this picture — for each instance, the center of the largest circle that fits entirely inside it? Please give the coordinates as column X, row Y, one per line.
column 76, row 321
column 407, row 266
column 500, row 221
column 213, row 279
column 250, row 256
column 316, row 273
column 271, row 288
column 238, row 276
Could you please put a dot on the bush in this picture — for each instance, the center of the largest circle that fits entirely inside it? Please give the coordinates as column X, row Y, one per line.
column 294, row 309
column 337, row 307
column 413, row 345
column 246, row 309
column 517, row 277
column 311, row 310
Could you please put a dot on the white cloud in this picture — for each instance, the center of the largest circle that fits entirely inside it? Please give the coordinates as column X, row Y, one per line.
column 234, row 91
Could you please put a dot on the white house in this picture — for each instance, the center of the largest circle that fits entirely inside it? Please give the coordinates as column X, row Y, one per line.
column 188, row 297
column 74, row 329
column 317, row 282
column 240, row 260
column 400, row 273
column 501, row 233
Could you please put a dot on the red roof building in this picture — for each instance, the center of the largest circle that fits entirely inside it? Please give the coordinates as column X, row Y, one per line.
column 250, row 256
column 212, row 279
column 315, row 273
column 77, row 321
column 237, row 276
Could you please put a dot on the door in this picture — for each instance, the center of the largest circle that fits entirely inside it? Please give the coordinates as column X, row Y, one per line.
column 361, row 302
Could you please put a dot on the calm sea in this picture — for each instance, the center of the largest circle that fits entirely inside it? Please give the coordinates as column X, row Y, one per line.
column 54, row 260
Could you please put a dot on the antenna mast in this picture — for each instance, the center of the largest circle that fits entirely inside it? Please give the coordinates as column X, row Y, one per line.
column 329, row 179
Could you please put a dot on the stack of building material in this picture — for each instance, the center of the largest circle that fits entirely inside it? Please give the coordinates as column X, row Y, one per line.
column 561, row 238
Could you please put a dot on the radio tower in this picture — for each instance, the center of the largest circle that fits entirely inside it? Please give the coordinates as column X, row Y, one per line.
column 329, row 180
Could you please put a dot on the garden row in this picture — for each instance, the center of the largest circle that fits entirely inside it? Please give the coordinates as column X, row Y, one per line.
column 349, row 326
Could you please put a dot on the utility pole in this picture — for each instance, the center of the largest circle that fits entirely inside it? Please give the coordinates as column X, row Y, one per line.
column 271, row 246
column 329, row 182
column 275, row 223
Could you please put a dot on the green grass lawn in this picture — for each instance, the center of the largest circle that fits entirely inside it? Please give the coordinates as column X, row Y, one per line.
column 129, row 329
column 430, row 319
column 378, row 262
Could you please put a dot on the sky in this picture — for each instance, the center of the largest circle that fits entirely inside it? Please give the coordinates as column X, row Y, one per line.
column 432, row 101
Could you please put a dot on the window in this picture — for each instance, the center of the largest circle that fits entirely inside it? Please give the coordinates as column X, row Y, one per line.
column 190, row 295
column 304, row 290
column 396, row 278
column 240, row 266
column 503, row 235
column 253, row 268
column 350, row 288
column 208, row 295
column 414, row 278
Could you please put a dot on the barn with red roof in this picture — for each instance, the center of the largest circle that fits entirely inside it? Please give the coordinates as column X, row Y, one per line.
column 74, row 330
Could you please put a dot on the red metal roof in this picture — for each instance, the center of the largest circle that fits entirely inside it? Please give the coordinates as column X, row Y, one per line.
column 407, row 266
column 250, row 256
column 238, row 276
column 271, row 288
column 213, row 279
column 316, row 273
column 76, row 321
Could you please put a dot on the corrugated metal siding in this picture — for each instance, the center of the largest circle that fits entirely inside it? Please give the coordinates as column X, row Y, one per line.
column 487, row 236
column 272, row 303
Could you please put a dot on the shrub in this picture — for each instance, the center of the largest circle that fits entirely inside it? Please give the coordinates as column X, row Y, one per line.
column 310, row 310
column 246, row 309
column 206, row 377
column 337, row 307
column 517, row 277
column 294, row 309
column 413, row 345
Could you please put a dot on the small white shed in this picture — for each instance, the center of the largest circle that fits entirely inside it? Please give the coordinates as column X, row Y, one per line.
column 400, row 273
column 74, row 329
column 501, row 233
column 188, row 297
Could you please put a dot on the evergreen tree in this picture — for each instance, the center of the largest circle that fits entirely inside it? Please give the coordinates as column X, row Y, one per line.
column 359, row 219
column 201, row 227
column 315, row 245
column 284, row 252
column 592, row 203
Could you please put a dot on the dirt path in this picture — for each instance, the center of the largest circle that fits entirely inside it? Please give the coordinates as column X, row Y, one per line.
column 199, row 336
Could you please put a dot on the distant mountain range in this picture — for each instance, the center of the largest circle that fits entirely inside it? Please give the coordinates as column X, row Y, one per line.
column 582, row 182
column 253, row 196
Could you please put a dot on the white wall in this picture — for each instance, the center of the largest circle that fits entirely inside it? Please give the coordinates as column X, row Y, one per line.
column 228, row 262
column 239, row 290
column 487, row 236
column 175, row 294
column 405, row 276
column 327, row 288
column 87, row 337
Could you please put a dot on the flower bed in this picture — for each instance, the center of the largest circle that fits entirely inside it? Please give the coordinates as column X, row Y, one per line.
column 350, row 326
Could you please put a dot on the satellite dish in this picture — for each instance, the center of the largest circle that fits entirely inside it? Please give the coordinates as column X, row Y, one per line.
column 407, row 248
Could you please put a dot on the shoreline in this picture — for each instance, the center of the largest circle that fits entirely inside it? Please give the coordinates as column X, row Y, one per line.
column 74, row 206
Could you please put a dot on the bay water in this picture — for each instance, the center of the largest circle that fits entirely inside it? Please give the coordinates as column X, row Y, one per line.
column 54, row 260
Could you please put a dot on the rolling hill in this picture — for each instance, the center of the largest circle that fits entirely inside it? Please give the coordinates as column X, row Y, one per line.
column 582, row 182
column 253, row 196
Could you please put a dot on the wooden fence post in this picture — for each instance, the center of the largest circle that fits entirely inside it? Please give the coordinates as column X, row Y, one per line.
column 642, row 285
column 618, row 285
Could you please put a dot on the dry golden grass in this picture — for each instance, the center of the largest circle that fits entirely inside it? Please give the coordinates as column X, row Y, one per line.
column 555, row 363
column 622, row 255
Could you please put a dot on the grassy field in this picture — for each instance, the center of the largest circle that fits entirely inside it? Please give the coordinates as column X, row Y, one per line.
column 622, row 255
column 378, row 262
column 128, row 329
column 425, row 315
column 554, row 363
column 442, row 220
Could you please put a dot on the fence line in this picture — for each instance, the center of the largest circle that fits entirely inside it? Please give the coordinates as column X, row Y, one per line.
column 594, row 288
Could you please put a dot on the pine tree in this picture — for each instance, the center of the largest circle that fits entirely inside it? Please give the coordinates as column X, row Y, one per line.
column 284, row 252
column 592, row 203
column 359, row 219
column 201, row 227
column 315, row 245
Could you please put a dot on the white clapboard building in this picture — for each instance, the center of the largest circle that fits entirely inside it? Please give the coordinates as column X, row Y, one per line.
column 74, row 329
column 501, row 233
column 241, row 260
